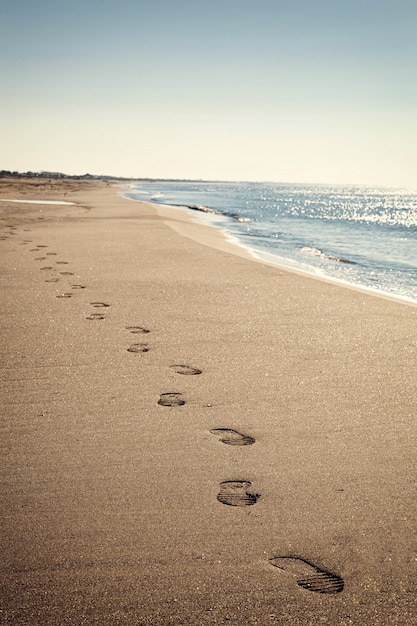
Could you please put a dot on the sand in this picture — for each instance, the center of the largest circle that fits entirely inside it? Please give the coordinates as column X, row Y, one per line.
column 133, row 342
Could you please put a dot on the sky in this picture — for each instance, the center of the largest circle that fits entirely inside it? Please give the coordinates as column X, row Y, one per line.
column 313, row 91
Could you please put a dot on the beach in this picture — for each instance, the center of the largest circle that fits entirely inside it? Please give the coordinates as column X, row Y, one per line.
column 193, row 436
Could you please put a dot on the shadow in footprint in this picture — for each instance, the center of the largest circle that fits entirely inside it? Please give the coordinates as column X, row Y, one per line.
column 138, row 347
column 138, row 330
column 232, row 437
column 186, row 370
column 171, row 399
column 234, row 493
column 99, row 305
column 308, row 575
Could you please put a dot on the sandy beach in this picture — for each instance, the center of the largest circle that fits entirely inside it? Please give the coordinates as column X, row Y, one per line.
column 191, row 436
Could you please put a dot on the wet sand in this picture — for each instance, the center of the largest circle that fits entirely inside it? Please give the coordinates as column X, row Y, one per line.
column 190, row 436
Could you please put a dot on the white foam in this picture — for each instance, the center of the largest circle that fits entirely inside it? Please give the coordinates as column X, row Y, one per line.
column 320, row 274
column 37, row 201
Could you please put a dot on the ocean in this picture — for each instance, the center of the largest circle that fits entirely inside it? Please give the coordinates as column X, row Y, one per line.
column 366, row 237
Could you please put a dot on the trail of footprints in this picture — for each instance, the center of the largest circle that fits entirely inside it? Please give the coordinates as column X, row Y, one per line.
column 239, row 493
column 232, row 493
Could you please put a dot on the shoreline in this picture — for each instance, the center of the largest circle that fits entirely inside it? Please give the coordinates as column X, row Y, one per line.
column 262, row 257
column 250, row 252
column 235, row 245
column 189, row 435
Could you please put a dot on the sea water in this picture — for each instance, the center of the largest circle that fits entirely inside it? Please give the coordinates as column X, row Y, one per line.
column 360, row 236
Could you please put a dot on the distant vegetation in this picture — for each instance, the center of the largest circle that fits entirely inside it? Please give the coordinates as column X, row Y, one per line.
column 61, row 176
column 57, row 176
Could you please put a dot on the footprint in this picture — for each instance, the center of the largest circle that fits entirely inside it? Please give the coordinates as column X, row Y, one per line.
column 95, row 316
column 233, row 493
column 99, row 305
column 67, row 273
column 308, row 575
column 65, row 295
column 40, row 258
column 171, row 399
column 61, row 262
column 186, row 370
column 138, row 347
column 232, row 437
column 76, row 286
column 51, row 253
column 137, row 330
column 42, row 246
column 52, row 280
column 47, row 267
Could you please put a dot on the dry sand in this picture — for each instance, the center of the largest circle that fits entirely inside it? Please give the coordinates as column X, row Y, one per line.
column 118, row 510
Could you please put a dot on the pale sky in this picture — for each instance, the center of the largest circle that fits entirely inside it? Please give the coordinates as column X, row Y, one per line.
column 282, row 90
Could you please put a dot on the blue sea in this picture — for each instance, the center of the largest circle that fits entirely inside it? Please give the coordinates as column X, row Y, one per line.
column 355, row 235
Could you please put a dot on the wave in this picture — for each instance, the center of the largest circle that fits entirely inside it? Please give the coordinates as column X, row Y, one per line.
column 323, row 255
column 206, row 209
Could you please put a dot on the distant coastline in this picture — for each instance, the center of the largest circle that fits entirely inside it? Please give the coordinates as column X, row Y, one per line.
column 61, row 176
column 45, row 175
column 103, row 177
